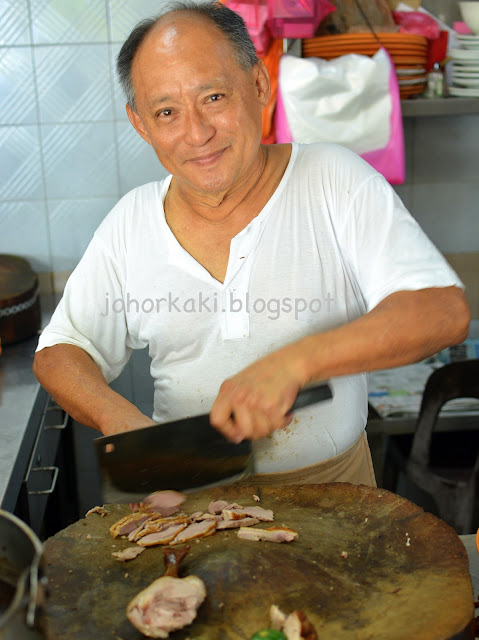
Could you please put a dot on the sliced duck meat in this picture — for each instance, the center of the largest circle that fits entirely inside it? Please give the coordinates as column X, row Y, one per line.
column 207, row 516
column 132, row 534
column 273, row 534
column 277, row 617
column 217, row 506
column 235, row 524
column 154, row 518
column 101, row 510
column 166, row 503
column 169, row 603
column 128, row 554
column 129, row 523
column 156, row 525
column 195, row 530
column 165, row 536
column 235, row 513
column 298, row 627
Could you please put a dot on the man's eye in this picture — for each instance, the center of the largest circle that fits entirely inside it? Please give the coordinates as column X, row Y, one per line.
column 163, row 113
column 215, row 97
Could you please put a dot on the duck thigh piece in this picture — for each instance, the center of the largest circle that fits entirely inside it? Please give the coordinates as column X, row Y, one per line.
column 170, row 602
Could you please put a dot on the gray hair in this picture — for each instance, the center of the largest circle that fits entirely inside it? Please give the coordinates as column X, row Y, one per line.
column 230, row 23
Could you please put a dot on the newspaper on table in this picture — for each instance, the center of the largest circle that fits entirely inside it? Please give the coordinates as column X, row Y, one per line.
column 398, row 392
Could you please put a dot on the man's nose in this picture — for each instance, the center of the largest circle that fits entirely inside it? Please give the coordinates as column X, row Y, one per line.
column 198, row 128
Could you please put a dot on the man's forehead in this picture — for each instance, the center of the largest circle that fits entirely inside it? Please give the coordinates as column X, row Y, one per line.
column 183, row 25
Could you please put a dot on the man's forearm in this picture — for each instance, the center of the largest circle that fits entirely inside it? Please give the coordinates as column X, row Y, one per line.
column 405, row 327
column 77, row 384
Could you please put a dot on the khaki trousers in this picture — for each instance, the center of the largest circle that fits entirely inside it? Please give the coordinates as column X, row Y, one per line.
column 353, row 465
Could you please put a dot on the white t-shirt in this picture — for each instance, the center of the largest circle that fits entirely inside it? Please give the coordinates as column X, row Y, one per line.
column 332, row 242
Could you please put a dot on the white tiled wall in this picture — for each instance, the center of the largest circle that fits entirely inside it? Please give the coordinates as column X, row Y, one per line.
column 68, row 152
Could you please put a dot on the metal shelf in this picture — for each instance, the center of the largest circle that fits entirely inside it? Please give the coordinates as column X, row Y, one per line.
column 439, row 106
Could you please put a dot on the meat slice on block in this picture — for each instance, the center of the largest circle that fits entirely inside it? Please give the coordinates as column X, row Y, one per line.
column 235, row 513
column 129, row 523
column 217, row 506
column 196, row 530
column 277, row 617
column 130, row 553
column 236, row 524
column 273, row 534
column 169, row 603
column 165, row 536
column 166, row 503
column 154, row 525
column 296, row 626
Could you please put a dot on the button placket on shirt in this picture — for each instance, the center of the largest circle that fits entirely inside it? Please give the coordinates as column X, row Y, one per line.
column 236, row 322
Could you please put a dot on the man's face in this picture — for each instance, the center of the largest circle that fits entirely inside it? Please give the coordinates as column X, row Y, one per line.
column 196, row 106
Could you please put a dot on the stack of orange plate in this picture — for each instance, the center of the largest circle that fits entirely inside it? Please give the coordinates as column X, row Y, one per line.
column 408, row 52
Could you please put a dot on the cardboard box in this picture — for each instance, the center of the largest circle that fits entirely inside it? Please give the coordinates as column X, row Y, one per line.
column 466, row 265
column 414, row 4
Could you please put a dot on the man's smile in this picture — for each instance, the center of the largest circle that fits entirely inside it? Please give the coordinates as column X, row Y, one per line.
column 207, row 159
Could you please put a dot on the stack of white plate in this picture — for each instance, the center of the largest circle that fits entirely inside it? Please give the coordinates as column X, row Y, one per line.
column 465, row 67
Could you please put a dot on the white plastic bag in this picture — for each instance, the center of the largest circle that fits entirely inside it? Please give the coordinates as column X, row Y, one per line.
column 352, row 100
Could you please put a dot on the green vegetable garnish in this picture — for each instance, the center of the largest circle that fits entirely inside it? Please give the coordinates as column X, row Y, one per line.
column 269, row 634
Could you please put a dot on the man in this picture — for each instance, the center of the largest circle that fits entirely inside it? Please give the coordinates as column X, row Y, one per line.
column 249, row 272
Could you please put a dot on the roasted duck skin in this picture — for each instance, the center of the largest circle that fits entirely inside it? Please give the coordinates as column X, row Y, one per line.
column 169, row 603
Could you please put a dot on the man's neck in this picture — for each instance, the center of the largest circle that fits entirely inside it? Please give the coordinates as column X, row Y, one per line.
column 222, row 207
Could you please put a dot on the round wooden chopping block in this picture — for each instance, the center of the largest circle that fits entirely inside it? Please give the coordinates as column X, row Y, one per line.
column 367, row 564
column 20, row 315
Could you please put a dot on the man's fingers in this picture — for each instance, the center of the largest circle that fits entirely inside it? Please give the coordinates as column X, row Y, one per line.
column 244, row 410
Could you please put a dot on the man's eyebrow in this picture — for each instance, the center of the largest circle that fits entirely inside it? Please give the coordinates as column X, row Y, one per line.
column 160, row 100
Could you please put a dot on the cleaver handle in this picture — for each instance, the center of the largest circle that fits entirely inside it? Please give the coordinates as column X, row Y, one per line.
column 311, row 395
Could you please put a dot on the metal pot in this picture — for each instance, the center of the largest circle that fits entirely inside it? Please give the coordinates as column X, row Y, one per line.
column 22, row 586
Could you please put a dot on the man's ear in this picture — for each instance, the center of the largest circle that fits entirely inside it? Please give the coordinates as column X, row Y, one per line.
column 262, row 82
column 135, row 120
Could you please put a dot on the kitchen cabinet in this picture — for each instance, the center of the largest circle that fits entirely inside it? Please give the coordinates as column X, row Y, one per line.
column 47, row 499
column 37, row 463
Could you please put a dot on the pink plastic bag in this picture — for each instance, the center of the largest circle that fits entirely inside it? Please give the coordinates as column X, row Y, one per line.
column 391, row 160
column 297, row 18
column 417, row 23
column 255, row 13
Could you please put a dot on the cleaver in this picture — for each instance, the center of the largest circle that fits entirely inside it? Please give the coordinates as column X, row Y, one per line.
column 185, row 455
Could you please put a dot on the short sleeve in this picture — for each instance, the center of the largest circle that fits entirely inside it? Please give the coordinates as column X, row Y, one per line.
column 386, row 248
column 85, row 317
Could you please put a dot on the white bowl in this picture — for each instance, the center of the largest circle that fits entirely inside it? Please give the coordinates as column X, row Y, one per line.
column 470, row 15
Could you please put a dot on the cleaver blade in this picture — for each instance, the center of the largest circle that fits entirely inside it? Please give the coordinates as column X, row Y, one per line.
column 186, row 455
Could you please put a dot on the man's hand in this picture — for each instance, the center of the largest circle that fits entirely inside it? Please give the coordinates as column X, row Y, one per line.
column 256, row 401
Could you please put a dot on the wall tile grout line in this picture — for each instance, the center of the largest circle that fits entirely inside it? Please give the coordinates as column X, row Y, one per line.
column 112, row 92
column 40, row 142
